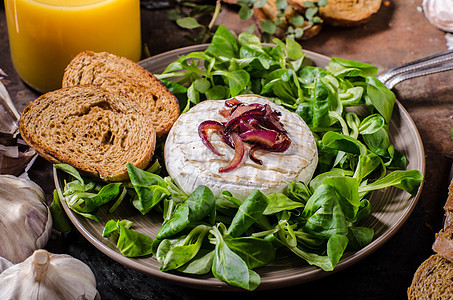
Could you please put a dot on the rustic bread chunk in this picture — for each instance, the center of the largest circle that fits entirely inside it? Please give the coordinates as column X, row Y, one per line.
column 432, row 280
column 90, row 128
column 120, row 74
column 344, row 13
column 448, row 208
column 443, row 244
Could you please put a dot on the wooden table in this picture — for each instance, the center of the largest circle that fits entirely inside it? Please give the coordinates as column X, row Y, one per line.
column 397, row 34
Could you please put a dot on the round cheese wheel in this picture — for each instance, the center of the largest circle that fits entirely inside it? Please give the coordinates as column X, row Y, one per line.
column 190, row 163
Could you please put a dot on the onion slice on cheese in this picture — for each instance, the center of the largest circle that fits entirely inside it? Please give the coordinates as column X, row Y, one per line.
column 190, row 163
column 256, row 124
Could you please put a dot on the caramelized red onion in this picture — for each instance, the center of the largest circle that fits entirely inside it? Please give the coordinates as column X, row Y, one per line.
column 255, row 124
column 239, row 150
column 203, row 133
column 263, row 137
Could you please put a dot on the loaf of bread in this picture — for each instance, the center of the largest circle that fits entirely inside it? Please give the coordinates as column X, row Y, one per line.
column 120, row 74
column 90, row 128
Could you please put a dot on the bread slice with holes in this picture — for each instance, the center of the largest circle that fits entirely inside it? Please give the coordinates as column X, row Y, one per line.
column 432, row 280
column 90, row 128
column 120, row 74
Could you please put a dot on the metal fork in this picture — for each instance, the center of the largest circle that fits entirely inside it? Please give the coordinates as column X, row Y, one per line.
column 436, row 63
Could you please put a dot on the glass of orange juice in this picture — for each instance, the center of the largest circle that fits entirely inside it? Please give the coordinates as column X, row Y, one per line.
column 44, row 35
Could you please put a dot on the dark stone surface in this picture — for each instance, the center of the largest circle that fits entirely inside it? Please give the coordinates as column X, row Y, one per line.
column 397, row 34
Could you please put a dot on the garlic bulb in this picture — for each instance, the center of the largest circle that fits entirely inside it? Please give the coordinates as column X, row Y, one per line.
column 25, row 219
column 48, row 276
column 439, row 13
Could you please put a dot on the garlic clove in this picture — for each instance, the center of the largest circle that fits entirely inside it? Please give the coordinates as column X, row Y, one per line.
column 25, row 219
column 48, row 276
column 9, row 115
column 439, row 13
column 4, row 264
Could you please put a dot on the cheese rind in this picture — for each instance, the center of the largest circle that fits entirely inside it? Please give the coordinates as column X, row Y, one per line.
column 190, row 163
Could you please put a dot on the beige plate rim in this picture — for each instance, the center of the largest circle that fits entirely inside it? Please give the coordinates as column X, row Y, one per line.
column 307, row 273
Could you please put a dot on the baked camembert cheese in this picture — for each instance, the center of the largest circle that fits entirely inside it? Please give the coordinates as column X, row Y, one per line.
column 190, row 163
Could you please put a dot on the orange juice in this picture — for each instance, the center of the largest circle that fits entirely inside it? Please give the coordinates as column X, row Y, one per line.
column 44, row 35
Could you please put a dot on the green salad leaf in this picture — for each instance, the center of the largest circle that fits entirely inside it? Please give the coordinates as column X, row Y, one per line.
column 174, row 253
column 228, row 266
column 248, row 213
column 150, row 188
column 85, row 196
column 199, row 205
column 129, row 242
column 60, row 221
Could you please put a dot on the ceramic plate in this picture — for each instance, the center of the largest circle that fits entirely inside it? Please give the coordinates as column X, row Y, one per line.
column 390, row 209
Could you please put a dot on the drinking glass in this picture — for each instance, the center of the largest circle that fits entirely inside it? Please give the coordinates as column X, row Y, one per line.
column 44, row 35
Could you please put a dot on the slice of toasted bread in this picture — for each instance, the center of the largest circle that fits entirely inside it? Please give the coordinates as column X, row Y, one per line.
column 120, row 74
column 90, row 128
column 432, row 280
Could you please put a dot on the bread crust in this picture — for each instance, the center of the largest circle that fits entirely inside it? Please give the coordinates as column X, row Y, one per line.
column 90, row 128
column 119, row 74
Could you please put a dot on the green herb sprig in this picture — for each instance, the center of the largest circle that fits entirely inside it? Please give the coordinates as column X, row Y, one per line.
column 197, row 17
column 297, row 22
